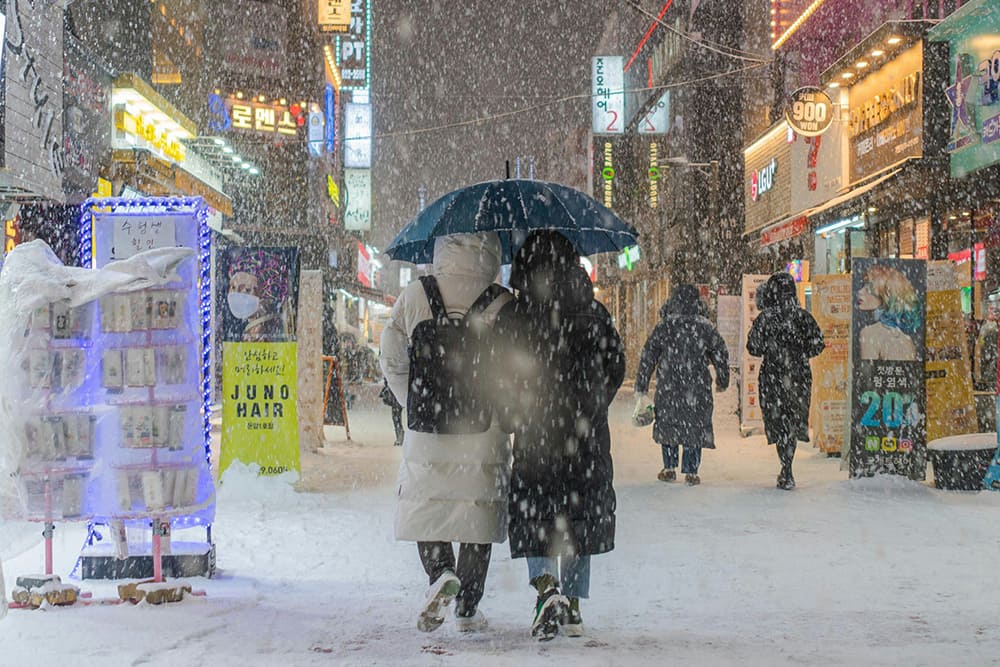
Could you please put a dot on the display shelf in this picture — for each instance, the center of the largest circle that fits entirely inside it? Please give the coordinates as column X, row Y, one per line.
column 153, row 361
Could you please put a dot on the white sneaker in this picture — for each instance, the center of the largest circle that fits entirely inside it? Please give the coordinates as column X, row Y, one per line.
column 475, row 623
column 439, row 596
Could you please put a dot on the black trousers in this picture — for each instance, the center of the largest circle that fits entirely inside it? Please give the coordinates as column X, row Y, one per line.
column 786, row 452
column 473, row 564
column 397, row 423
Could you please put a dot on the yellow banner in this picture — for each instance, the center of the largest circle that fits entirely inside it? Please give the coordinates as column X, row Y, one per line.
column 828, row 414
column 951, row 408
column 259, row 421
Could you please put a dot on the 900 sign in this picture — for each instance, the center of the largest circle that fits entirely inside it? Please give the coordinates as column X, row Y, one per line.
column 809, row 111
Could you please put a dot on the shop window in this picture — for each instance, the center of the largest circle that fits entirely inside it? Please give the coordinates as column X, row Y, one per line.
column 906, row 239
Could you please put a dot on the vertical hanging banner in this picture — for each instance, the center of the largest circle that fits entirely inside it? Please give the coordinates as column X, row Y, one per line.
column 888, row 396
column 828, row 409
column 951, row 408
column 607, row 94
column 354, row 49
column 750, row 414
column 259, row 297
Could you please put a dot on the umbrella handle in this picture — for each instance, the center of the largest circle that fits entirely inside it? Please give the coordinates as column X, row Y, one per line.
column 508, row 169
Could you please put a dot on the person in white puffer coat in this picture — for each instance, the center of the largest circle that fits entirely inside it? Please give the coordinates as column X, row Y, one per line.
column 452, row 487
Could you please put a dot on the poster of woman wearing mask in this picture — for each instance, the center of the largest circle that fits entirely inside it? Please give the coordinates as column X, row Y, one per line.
column 258, row 295
column 259, row 288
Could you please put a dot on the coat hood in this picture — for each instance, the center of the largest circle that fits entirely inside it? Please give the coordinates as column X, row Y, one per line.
column 473, row 255
column 780, row 291
column 685, row 300
column 546, row 270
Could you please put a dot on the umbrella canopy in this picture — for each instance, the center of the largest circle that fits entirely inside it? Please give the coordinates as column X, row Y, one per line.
column 512, row 208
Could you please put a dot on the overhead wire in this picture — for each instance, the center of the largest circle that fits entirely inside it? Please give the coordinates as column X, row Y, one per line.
column 561, row 100
column 527, row 109
column 728, row 51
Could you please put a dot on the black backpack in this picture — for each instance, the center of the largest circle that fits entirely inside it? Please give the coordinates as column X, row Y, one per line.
column 447, row 355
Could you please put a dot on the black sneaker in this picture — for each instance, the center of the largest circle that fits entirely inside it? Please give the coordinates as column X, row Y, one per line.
column 785, row 480
column 667, row 475
column 550, row 608
column 572, row 622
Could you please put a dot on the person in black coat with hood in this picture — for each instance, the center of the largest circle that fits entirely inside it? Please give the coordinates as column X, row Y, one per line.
column 679, row 349
column 559, row 363
column 786, row 336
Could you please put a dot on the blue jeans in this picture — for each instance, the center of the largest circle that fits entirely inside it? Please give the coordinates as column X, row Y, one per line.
column 690, row 463
column 573, row 573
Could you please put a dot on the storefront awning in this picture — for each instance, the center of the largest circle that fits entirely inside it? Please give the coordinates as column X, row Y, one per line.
column 851, row 194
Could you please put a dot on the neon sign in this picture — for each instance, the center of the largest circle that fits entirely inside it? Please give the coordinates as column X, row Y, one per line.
column 762, row 179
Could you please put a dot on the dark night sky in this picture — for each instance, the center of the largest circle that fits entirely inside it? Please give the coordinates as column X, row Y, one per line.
column 436, row 62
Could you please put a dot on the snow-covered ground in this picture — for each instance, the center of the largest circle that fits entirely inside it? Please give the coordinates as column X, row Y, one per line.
column 837, row 572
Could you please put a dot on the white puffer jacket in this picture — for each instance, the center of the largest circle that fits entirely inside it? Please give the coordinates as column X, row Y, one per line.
column 452, row 488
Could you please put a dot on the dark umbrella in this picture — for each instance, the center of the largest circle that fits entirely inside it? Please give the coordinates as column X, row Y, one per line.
column 512, row 208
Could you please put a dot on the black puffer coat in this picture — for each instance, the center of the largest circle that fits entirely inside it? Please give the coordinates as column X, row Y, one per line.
column 680, row 348
column 786, row 336
column 559, row 363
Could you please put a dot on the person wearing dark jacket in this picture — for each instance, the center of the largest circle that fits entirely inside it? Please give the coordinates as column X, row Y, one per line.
column 559, row 362
column 679, row 349
column 785, row 336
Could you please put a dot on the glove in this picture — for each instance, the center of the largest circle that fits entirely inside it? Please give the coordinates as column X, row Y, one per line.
column 642, row 415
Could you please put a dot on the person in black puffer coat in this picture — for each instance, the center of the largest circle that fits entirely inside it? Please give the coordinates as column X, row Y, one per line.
column 786, row 336
column 559, row 363
column 679, row 349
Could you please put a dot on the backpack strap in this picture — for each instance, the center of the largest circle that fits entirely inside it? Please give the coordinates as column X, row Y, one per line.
column 434, row 298
column 489, row 295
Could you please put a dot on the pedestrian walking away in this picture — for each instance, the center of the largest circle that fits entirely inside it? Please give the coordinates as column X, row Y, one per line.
column 679, row 350
column 558, row 364
column 786, row 337
column 455, row 466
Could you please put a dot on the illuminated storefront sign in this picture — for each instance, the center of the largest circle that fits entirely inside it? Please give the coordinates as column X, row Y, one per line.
column 628, row 257
column 784, row 231
column 354, row 49
column 143, row 119
column 809, row 111
column 333, row 190
column 358, row 186
column 762, row 180
column 657, row 119
column 653, row 175
column 886, row 115
column 357, row 135
column 767, row 187
column 12, row 234
column 334, row 15
column 330, row 108
column 608, row 94
column 608, row 175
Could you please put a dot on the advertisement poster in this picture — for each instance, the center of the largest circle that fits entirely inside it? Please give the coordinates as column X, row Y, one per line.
column 259, row 420
column 831, row 303
column 259, row 288
column 888, row 399
column 750, row 414
column 259, row 294
column 727, row 319
column 951, row 408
